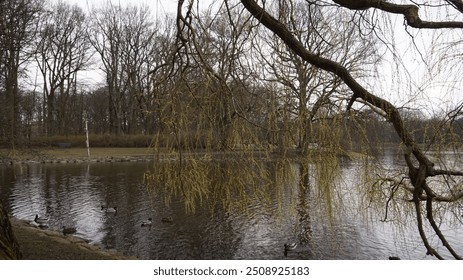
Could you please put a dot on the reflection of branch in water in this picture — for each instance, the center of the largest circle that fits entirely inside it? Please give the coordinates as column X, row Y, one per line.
column 230, row 184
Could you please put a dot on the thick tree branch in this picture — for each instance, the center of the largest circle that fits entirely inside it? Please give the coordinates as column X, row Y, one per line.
column 418, row 175
column 419, row 218
column 432, row 221
column 457, row 4
column 410, row 12
column 358, row 90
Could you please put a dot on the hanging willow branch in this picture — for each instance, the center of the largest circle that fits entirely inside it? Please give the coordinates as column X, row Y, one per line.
column 418, row 175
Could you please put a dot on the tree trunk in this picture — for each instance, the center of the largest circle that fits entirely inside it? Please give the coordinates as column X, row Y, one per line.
column 9, row 247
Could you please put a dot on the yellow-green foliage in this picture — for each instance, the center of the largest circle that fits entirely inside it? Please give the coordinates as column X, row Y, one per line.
column 96, row 140
column 224, row 181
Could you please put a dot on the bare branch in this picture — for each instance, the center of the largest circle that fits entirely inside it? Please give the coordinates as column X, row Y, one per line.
column 457, row 4
column 358, row 90
column 410, row 12
column 418, row 171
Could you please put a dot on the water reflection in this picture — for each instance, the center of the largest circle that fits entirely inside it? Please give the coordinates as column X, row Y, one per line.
column 225, row 209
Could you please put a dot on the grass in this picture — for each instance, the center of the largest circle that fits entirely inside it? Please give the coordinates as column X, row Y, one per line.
column 73, row 153
column 96, row 140
column 96, row 152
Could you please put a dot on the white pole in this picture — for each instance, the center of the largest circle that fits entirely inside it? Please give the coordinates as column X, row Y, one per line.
column 87, row 142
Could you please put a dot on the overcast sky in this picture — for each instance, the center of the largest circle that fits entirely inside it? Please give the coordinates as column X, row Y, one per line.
column 432, row 94
column 157, row 7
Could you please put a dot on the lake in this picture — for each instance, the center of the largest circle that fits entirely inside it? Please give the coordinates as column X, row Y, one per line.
column 333, row 218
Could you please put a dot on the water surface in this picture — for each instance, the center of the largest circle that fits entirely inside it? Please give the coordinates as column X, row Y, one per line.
column 325, row 224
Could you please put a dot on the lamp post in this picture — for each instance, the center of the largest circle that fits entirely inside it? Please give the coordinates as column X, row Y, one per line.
column 87, row 141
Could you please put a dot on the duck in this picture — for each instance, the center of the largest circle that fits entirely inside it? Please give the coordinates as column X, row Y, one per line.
column 109, row 209
column 289, row 247
column 41, row 220
column 147, row 222
column 69, row 230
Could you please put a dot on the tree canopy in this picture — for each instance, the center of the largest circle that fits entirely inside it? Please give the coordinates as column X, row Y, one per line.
column 284, row 77
column 372, row 18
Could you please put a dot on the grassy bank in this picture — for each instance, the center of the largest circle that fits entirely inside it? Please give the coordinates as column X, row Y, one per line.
column 96, row 140
column 95, row 152
column 46, row 155
column 42, row 244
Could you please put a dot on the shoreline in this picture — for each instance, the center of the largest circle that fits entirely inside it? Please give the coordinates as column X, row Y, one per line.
column 47, row 244
column 113, row 155
column 74, row 155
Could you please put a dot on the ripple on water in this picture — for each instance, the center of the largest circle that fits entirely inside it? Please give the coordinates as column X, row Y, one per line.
column 72, row 195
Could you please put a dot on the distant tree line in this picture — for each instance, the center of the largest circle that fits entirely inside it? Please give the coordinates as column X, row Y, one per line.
column 248, row 74
column 231, row 85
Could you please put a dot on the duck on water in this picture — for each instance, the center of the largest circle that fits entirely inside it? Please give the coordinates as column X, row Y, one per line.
column 109, row 209
column 289, row 247
column 147, row 222
column 41, row 221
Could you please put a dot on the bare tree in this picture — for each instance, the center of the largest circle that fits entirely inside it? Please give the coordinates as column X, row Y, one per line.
column 18, row 25
column 305, row 88
column 63, row 51
column 123, row 38
column 18, row 22
column 160, row 81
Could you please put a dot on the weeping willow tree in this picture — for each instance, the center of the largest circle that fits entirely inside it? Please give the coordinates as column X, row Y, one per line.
column 429, row 184
column 258, row 89
column 233, row 122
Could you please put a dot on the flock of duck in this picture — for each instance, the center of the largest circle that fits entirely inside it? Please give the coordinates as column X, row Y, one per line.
column 43, row 221
column 149, row 222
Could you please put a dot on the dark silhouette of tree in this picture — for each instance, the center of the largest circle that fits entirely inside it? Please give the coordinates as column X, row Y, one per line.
column 9, row 248
column 63, row 51
column 124, row 40
column 18, row 23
